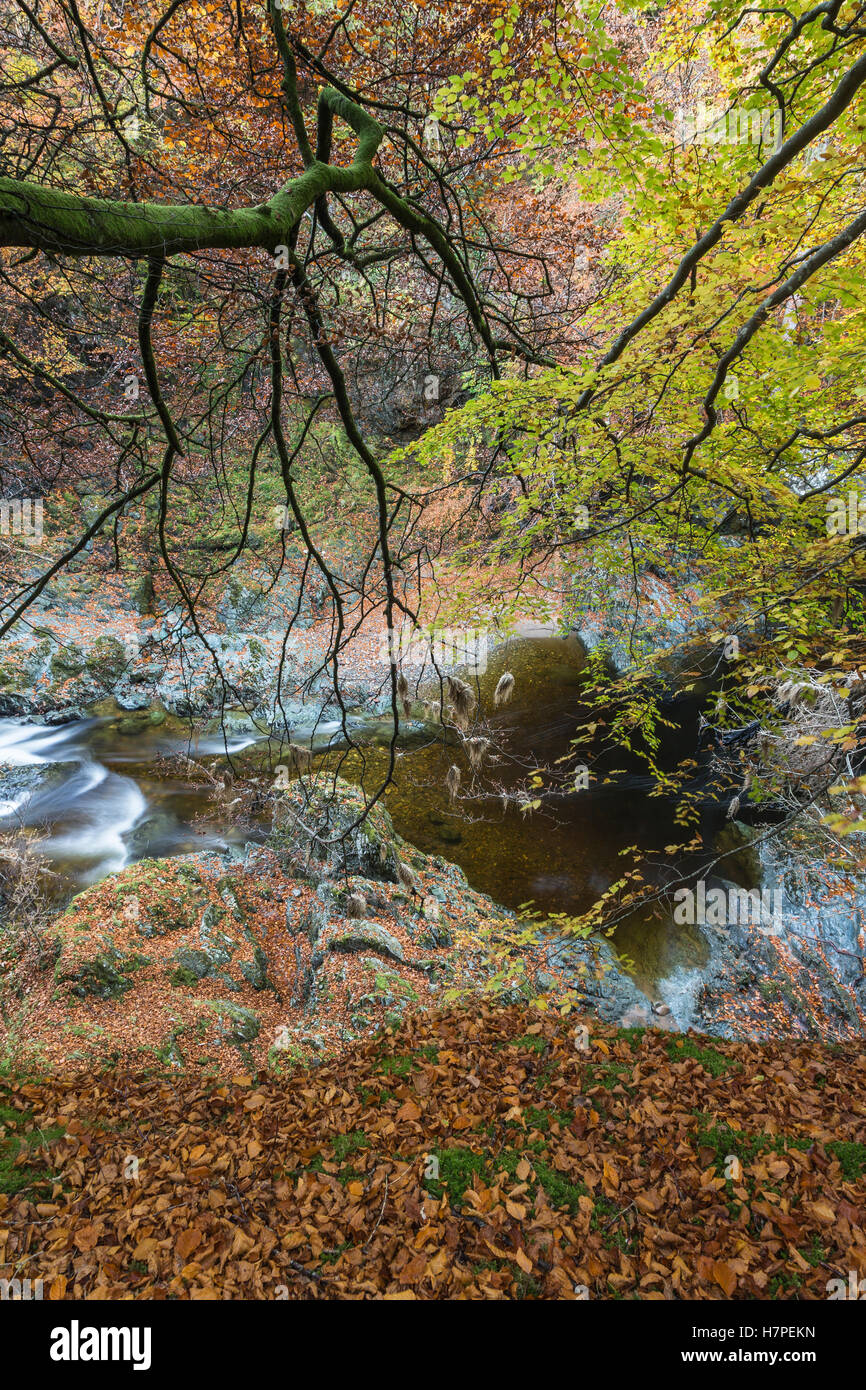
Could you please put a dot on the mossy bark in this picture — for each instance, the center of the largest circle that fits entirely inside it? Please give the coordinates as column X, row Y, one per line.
column 50, row 219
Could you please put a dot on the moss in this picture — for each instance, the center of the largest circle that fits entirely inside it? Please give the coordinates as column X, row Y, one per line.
column 364, row 936
column 141, row 592
column 396, row 1066
column 106, row 975
column 542, row 1119
column 530, row 1042
column 604, row 1219
column 607, row 1074
column 371, row 848
column 182, row 975
column 526, row 1286
column 106, row 660
column 785, row 1284
column 132, row 724
column 712, row 1061
column 724, row 1140
column 457, row 1168
column 255, row 971
column 18, row 1171
column 169, row 898
column 330, row 1257
column 234, row 1025
column 345, row 1144
column 388, row 988
column 67, row 661
column 562, row 1193
column 11, row 676
column 814, row 1253
column 169, row 1051
column 852, row 1157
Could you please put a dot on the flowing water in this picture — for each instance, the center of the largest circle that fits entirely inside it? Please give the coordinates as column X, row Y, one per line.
column 89, row 816
column 94, row 799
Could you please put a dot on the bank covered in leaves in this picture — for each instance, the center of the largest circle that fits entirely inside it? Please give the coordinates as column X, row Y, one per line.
column 333, row 928
column 481, row 1153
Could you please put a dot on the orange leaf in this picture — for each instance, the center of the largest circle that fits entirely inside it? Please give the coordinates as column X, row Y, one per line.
column 724, row 1276
column 187, row 1241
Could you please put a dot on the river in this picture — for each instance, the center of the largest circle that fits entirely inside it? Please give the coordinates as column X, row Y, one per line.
column 94, row 799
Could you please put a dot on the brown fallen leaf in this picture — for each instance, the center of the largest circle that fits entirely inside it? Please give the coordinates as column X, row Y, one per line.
column 188, row 1241
column 724, row 1276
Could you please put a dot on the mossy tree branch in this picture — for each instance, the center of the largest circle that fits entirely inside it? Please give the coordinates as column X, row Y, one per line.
column 49, row 219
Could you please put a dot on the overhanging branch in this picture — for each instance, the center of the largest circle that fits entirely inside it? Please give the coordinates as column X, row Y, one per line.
column 49, row 219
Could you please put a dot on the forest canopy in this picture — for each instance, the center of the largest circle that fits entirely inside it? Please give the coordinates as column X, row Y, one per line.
column 433, row 660
column 607, row 257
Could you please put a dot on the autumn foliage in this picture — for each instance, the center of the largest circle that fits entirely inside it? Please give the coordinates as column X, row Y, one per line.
column 471, row 1155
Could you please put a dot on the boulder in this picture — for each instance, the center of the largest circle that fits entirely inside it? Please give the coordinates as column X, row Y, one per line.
column 67, row 661
column 106, row 660
column 233, row 1023
column 97, row 971
column 362, row 936
column 320, row 823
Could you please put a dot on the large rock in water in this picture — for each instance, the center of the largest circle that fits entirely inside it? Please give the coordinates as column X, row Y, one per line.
column 320, row 822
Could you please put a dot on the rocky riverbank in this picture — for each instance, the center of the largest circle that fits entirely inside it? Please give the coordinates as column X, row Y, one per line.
column 291, row 951
column 116, row 650
column 95, row 633
column 299, row 947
